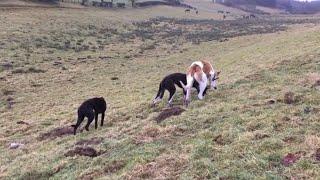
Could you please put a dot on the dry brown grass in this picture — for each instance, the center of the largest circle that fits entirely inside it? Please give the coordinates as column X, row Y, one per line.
column 163, row 167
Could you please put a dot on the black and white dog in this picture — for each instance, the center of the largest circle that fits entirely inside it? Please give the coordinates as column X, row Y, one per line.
column 169, row 82
column 90, row 109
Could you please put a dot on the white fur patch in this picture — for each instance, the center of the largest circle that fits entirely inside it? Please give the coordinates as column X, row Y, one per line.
column 199, row 63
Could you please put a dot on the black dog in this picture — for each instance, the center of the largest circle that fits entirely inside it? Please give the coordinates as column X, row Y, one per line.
column 90, row 109
column 169, row 82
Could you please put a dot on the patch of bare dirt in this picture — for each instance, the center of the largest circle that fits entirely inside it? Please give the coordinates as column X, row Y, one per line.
column 291, row 158
column 163, row 167
column 290, row 98
column 166, row 113
column 92, row 141
column 57, row 132
column 82, row 151
column 221, row 140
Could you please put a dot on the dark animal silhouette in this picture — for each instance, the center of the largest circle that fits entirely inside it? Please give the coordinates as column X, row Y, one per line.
column 197, row 11
column 187, row 10
column 90, row 109
column 252, row 16
column 169, row 82
column 245, row 17
column 224, row 17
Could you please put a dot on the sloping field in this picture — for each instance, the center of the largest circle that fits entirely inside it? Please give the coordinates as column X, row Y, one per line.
column 262, row 122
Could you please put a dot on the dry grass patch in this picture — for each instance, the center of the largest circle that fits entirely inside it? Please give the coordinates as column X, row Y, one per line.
column 163, row 167
column 311, row 142
column 152, row 133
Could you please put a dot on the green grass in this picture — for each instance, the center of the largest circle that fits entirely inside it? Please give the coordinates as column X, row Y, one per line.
column 234, row 133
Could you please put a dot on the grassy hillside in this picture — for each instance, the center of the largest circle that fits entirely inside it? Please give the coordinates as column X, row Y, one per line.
column 262, row 122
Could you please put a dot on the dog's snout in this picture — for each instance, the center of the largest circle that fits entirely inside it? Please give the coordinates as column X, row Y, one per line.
column 215, row 88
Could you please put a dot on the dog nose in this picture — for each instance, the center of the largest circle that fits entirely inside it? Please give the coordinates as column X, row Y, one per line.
column 215, row 88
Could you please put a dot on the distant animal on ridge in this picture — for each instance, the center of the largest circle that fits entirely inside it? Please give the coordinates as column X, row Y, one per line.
column 200, row 71
column 224, row 17
column 252, row 16
column 90, row 109
column 187, row 10
column 169, row 82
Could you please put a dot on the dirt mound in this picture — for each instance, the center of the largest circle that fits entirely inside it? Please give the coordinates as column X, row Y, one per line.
column 82, row 151
column 290, row 98
column 92, row 141
column 57, row 132
column 166, row 113
column 291, row 158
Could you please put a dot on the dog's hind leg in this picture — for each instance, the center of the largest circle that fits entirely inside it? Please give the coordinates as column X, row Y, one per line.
column 159, row 95
column 90, row 119
column 172, row 91
column 96, row 115
column 79, row 121
column 102, row 119
column 202, row 86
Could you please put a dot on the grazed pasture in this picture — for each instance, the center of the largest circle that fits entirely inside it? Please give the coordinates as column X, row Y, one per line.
column 263, row 122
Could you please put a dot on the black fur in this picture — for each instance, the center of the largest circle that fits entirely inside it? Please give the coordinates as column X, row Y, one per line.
column 169, row 82
column 90, row 109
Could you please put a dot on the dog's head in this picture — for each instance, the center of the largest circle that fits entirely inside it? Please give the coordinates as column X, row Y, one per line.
column 214, row 77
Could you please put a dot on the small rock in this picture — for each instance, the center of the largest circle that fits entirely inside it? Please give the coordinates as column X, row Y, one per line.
column 15, row 145
column 285, row 118
column 271, row 101
column 22, row 122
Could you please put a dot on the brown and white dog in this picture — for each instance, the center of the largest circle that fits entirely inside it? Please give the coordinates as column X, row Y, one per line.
column 200, row 71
